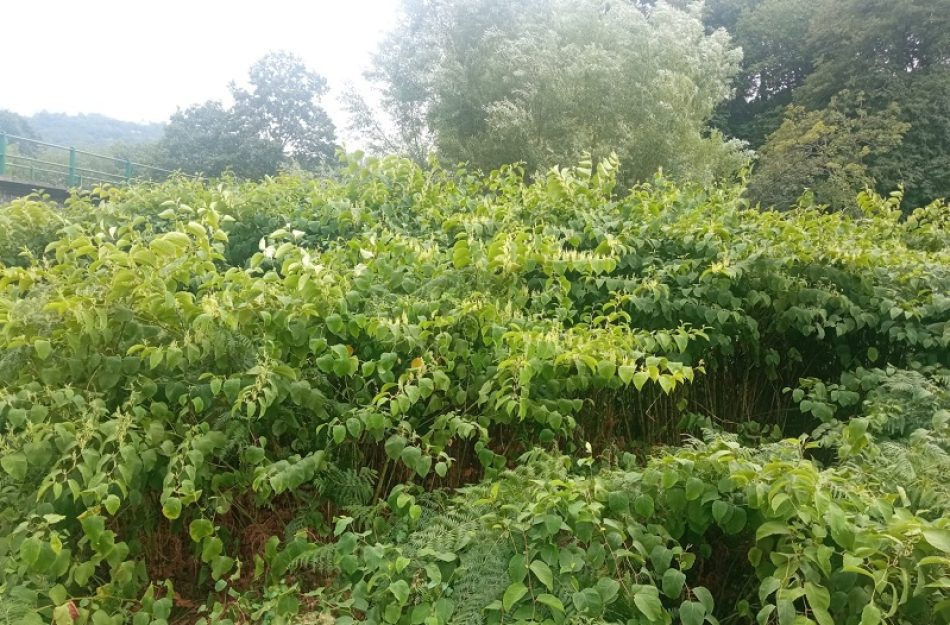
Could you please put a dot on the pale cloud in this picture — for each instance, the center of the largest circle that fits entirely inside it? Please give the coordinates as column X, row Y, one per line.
column 138, row 61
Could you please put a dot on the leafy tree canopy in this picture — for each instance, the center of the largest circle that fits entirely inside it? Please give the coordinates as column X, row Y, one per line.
column 282, row 106
column 808, row 52
column 208, row 138
column 826, row 151
column 276, row 121
column 492, row 82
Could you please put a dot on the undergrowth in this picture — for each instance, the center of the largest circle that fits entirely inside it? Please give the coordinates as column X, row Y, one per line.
column 405, row 395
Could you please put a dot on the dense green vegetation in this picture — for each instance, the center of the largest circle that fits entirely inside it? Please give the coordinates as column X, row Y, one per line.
column 419, row 395
column 430, row 387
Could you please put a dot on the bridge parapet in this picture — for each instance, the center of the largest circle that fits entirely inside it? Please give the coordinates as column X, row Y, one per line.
column 41, row 165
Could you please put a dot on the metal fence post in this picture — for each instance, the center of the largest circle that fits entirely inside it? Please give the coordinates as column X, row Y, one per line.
column 71, row 176
column 128, row 170
column 3, row 152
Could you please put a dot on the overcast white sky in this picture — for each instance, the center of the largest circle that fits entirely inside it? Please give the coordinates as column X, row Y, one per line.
column 139, row 60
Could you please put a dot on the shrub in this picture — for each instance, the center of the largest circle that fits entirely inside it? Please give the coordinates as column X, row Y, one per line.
column 189, row 428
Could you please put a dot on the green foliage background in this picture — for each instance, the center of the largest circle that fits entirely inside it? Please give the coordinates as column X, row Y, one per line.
column 816, row 54
column 827, row 96
column 541, row 82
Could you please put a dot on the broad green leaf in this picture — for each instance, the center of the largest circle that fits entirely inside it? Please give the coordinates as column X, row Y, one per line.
column 171, row 508
column 768, row 586
column 649, row 605
column 62, row 614
column 543, row 572
column 608, row 589
column 444, row 608
column 643, row 505
column 111, row 504
column 43, row 348
column 339, row 433
column 938, row 538
column 400, row 590
column 771, row 528
column 618, row 502
column 513, row 594
column 517, row 570
column 199, row 529
column 721, row 510
column 394, row 446
column 211, row 549
column 221, row 565
column 434, row 574
column 30, row 550
column 673, row 582
column 694, row 488
column 818, row 596
column 870, row 615
column 692, row 613
column 335, row 324
column 551, row 601
column 14, row 464
column 640, row 378
column 705, row 597
column 588, row 602
column 411, row 456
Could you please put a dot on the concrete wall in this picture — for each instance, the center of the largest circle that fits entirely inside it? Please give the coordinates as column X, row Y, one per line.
column 10, row 190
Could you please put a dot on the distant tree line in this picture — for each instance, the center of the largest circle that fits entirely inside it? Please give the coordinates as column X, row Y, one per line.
column 821, row 97
column 93, row 132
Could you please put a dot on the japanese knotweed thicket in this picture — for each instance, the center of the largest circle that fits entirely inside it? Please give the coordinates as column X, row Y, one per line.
column 425, row 396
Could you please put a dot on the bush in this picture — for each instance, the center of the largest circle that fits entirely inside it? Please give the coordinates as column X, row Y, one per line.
column 27, row 225
column 191, row 430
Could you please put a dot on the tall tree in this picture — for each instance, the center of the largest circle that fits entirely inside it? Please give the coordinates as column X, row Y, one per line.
column 874, row 45
column 276, row 121
column 809, row 52
column 896, row 53
column 209, row 139
column 399, row 129
column 922, row 161
column 542, row 81
column 827, row 152
column 773, row 35
column 282, row 106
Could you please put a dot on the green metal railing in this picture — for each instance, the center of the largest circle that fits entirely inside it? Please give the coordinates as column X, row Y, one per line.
column 47, row 164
